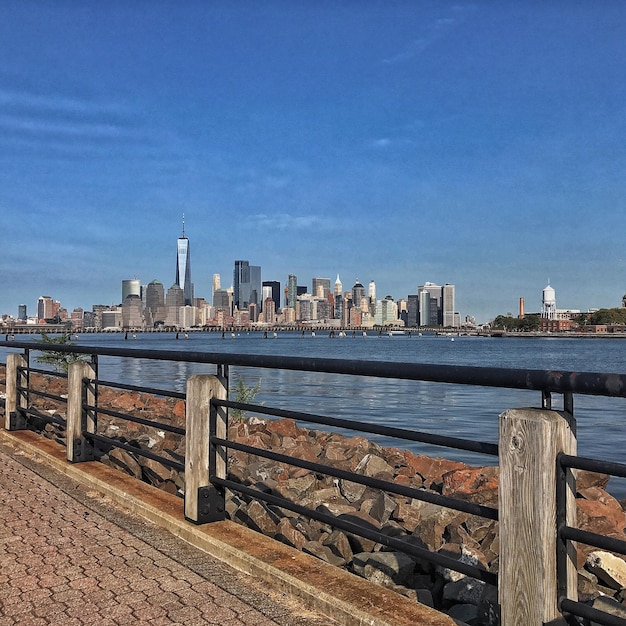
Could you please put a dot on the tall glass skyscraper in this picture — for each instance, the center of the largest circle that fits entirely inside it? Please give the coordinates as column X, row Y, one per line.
column 183, row 268
column 247, row 285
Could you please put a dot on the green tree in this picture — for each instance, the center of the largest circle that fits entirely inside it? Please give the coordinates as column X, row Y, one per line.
column 608, row 316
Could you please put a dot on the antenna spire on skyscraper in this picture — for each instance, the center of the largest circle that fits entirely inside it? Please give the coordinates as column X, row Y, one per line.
column 183, row 224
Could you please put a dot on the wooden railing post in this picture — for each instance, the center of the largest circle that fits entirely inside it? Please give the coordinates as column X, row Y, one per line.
column 530, row 440
column 78, row 447
column 204, row 502
column 13, row 417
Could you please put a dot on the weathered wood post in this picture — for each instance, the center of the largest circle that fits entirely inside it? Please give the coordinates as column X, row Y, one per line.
column 15, row 400
column 530, row 440
column 204, row 502
column 78, row 447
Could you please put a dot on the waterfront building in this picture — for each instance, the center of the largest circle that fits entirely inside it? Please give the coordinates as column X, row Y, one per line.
column 132, row 312
column 131, row 287
column 155, row 303
column 46, row 309
column 21, row 313
column 386, row 312
column 247, row 285
column 111, row 319
column 183, row 267
column 450, row 317
column 174, row 299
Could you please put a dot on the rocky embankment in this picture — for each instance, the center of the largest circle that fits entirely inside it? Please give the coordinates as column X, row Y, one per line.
column 602, row 576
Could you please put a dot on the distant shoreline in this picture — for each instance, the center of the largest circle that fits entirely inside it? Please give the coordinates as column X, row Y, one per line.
column 333, row 331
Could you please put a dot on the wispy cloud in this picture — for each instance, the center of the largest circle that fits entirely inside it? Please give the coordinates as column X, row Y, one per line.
column 434, row 31
column 284, row 221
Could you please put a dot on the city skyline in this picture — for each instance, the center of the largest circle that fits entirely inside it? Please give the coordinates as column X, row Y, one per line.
column 411, row 141
column 248, row 287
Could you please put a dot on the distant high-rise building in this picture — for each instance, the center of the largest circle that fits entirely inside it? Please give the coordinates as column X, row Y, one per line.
column 155, row 303
column 412, row 310
column 183, row 267
column 292, row 291
column 338, row 287
column 430, row 304
column 222, row 301
column 131, row 287
column 321, row 287
column 247, row 285
column 271, row 288
column 174, row 300
column 21, row 313
column 47, row 308
column 447, row 305
column 358, row 293
column 371, row 290
column 216, row 285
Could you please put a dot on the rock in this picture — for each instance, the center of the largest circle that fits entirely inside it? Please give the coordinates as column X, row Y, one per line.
column 126, row 462
column 287, row 533
column 382, row 507
column 479, row 485
column 463, row 554
column 465, row 590
column 407, row 514
column 466, row 613
column 608, row 568
column 285, row 428
column 257, row 517
column 431, row 469
column 388, row 568
column 351, row 491
column 339, row 544
column 322, row 552
column 610, row 606
column 585, row 479
column 372, row 465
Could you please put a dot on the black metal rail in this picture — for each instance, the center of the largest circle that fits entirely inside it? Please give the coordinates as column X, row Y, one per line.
column 586, row 383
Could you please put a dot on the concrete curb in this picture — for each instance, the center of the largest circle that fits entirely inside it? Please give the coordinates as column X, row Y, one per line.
column 332, row 591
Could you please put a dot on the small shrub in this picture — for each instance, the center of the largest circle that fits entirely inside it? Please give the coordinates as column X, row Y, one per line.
column 59, row 360
column 243, row 393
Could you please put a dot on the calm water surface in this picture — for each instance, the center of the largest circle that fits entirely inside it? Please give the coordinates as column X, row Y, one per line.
column 455, row 410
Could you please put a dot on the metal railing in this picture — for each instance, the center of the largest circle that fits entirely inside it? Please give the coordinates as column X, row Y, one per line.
column 207, row 493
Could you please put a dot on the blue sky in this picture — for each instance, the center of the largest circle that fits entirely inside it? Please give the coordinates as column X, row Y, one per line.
column 479, row 143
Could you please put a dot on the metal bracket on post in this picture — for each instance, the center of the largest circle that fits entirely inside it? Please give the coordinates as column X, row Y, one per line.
column 17, row 420
column 210, row 505
column 82, row 451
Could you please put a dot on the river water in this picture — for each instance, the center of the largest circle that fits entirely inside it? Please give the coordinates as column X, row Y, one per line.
column 455, row 410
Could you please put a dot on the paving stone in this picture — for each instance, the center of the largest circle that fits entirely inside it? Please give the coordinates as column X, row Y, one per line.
column 78, row 561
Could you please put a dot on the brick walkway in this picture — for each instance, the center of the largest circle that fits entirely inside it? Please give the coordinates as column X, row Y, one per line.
column 69, row 556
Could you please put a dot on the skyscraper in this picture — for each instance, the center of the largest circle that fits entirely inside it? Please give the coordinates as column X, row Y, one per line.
column 358, row 293
column 183, row 267
column 447, row 304
column 292, row 291
column 321, row 287
column 272, row 287
column 247, row 285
